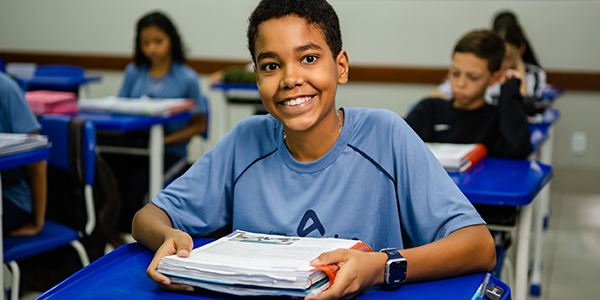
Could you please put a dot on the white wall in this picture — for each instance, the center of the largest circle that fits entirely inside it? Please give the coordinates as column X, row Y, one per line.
column 422, row 33
column 565, row 35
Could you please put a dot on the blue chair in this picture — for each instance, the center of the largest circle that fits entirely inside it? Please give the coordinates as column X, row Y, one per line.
column 2, row 66
column 204, row 100
column 55, row 235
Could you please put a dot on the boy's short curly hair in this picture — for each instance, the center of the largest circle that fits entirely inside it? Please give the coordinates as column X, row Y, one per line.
column 485, row 44
column 315, row 12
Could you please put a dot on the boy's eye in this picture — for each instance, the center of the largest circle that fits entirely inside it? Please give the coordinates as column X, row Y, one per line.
column 270, row 67
column 454, row 74
column 309, row 59
column 474, row 78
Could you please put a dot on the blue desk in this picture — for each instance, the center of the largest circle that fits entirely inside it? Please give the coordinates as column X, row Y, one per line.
column 12, row 161
column 121, row 274
column 500, row 181
column 61, row 83
column 155, row 150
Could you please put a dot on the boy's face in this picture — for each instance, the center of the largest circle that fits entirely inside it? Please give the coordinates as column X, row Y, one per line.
column 296, row 73
column 469, row 76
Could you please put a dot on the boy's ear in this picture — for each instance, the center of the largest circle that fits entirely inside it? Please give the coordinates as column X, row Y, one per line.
column 495, row 77
column 341, row 62
column 522, row 49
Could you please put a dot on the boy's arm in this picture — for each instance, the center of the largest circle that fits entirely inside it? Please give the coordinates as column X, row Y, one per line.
column 36, row 175
column 420, row 121
column 467, row 250
column 152, row 228
column 514, row 129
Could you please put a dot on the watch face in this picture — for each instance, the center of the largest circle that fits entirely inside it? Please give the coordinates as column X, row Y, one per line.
column 397, row 271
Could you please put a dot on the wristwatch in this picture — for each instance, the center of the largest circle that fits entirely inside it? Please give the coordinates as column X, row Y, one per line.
column 395, row 269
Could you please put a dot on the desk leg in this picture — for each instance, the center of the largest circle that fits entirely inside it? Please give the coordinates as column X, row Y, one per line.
column 522, row 264
column 157, row 148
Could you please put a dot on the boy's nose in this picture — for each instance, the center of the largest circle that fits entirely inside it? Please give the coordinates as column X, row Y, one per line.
column 292, row 77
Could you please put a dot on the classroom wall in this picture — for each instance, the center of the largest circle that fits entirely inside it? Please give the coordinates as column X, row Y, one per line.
column 387, row 33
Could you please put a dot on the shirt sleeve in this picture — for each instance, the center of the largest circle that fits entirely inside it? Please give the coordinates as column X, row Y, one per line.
column 194, row 93
column 16, row 112
column 515, row 139
column 431, row 205
column 200, row 201
column 420, row 120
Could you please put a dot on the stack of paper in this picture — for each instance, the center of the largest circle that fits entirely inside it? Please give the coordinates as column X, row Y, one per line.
column 11, row 143
column 458, row 157
column 137, row 106
column 245, row 263
column 51, row 102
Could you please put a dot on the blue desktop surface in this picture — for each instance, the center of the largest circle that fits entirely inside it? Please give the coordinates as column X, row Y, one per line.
column 121, row 122
column 502, row 181
column 121, row 274
column 20, row 159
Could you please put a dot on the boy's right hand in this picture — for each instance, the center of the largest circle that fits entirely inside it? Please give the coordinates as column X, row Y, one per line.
column 177, row 242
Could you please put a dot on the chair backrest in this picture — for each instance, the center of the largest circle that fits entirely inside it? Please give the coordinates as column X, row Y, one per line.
column 82, row 164
column 60, row 70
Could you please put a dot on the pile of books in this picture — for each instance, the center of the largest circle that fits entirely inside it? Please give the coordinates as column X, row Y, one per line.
column 11, row 143
column 137, row 106
column 250, row 264
column 458, row 157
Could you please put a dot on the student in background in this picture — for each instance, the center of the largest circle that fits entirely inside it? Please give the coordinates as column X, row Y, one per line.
column 348, row 172
column 158, row 71
column 520, row 56
column 23, row 188
column 467, row 118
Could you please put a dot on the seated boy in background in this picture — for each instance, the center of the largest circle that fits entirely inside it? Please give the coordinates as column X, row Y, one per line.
column 311, row 169
column 23, row 188
column 467, row 118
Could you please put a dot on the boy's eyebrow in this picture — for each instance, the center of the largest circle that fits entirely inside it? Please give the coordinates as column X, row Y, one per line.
column 309, row 46
column 264, row 55
column 270, row 54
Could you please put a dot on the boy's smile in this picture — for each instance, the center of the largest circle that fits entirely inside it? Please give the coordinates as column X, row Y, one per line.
column 297, row 75
column 470, row 77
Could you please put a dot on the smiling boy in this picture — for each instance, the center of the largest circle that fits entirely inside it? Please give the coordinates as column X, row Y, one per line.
column 467, row 118
column 310, row 169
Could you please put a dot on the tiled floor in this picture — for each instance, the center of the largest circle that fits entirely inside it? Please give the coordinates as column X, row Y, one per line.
column 571, row 249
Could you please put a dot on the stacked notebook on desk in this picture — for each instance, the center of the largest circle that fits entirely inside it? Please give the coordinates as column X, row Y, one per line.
column 11, row 143
column 138, row 106
column 251, row 264
column 458, row 157
column 51, row 102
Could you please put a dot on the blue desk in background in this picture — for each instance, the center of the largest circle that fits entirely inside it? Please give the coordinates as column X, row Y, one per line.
column 125, row 123
column 499, row 181
column 121, row 274
column 12, row 161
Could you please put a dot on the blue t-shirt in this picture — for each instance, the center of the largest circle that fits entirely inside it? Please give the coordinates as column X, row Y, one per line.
column 180, row 82
column 378, row 183
column 15, row 117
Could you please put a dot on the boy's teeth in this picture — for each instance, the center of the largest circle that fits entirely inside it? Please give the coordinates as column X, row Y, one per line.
column 296, row 101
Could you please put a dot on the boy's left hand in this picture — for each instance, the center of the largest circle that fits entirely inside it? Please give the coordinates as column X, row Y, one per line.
column 358, row 272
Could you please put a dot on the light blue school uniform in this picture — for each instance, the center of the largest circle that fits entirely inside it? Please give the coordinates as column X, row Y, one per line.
column 15, row 117
column 180, row 82
column 379, row 183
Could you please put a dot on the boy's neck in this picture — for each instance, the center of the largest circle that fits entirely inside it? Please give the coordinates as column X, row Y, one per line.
column 310, row 145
